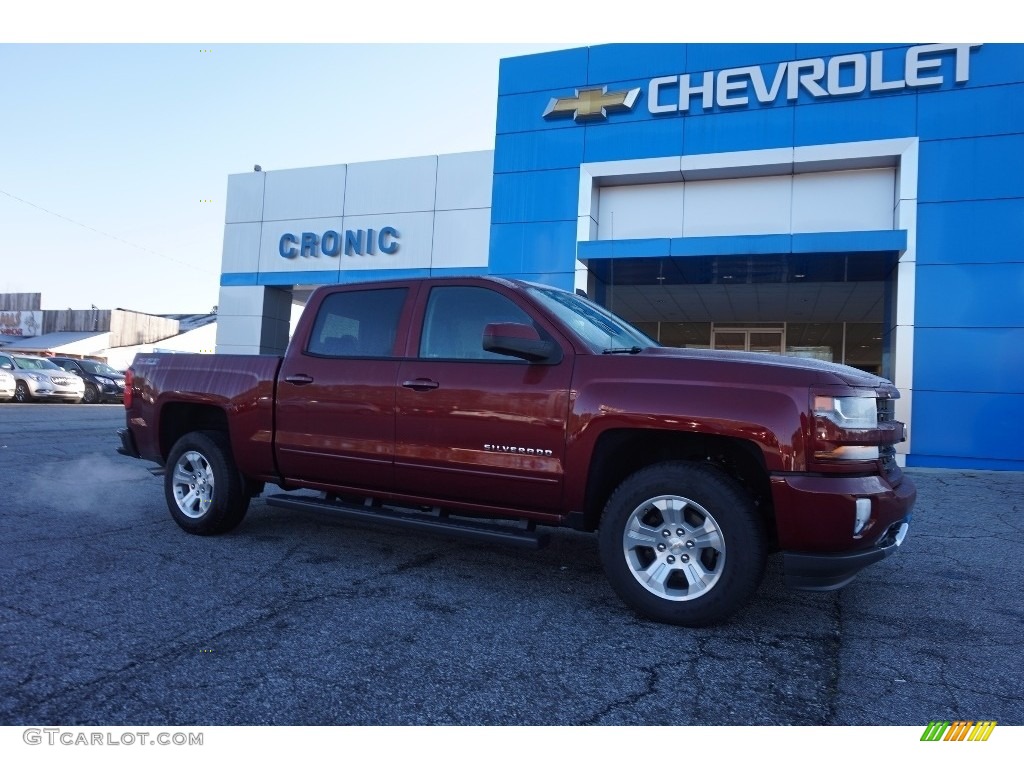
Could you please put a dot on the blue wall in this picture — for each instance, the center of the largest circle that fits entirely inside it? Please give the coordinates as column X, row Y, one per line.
column 968, row 399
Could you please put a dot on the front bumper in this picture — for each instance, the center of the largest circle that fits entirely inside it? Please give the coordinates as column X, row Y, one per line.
column 815, row 519
column 821, row 572
column 112, row 394
column 43, row 392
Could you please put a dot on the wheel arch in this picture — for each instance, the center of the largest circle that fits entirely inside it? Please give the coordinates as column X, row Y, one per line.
column 618, row 453
column 178, row 419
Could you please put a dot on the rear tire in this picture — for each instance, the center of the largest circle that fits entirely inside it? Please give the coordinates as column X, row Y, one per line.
column 681, row 543
column 205, row 492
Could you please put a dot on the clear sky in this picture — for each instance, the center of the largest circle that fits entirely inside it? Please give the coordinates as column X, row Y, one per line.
column 120, row 128
column 136, row 142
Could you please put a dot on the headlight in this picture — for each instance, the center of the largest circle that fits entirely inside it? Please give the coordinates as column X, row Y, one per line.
column 104, row 380
column 858, row 412
column 845, row 426
column 39, row 378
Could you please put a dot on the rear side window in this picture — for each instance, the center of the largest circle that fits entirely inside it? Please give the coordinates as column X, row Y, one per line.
column 357, row 324
column 453, row 327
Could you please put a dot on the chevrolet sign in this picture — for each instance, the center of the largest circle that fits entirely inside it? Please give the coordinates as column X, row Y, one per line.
column 844, row 75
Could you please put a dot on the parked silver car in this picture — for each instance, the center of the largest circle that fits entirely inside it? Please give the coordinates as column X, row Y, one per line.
column 36, row 378
column 7, row 385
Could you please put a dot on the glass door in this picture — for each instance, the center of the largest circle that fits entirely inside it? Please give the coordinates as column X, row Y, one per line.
column 770, row 340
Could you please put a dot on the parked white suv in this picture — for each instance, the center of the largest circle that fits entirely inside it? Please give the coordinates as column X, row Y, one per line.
column 6, row 386
column 36, row 378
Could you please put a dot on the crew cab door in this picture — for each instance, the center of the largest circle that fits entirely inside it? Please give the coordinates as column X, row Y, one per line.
column 476, row 426
column 335, row 414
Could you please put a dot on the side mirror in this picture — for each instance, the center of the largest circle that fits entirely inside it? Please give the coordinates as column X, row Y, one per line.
column 520, row 340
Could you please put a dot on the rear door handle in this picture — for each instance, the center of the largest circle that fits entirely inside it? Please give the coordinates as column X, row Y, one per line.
column 421, row 385
column 299, row 378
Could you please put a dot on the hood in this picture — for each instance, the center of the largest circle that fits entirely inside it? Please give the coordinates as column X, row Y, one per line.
column 58, row 375
column 826, row 371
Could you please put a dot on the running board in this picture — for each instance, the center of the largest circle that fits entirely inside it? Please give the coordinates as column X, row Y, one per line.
column 421, row 521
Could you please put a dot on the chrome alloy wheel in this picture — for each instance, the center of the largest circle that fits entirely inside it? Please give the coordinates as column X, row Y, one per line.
column 674, row 548
column 193, row 484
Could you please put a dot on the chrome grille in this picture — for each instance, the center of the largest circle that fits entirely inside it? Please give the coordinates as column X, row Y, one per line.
column 887, row 455
column 886, row 409
column 60, row 381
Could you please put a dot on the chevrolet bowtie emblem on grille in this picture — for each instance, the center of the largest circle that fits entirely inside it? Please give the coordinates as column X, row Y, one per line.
column 592, row 103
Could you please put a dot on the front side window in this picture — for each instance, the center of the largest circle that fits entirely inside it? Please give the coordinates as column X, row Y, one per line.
column 357, row 324
column 453, row 327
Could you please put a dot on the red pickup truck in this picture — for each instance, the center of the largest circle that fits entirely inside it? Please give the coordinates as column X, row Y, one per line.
column 486, row 407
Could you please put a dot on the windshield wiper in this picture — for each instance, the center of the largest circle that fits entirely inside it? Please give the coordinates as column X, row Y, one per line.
column 622, row 351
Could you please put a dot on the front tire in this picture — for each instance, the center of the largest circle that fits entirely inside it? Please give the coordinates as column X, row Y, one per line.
column 205, row 492
column 92, row 395
column 21, row 393
column 681, row 543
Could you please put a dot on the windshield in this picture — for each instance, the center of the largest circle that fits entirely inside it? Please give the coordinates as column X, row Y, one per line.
column 91, row 366
column 35, row 363
column 597, row 326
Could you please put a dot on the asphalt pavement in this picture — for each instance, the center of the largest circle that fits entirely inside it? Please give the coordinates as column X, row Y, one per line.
column 112, row 615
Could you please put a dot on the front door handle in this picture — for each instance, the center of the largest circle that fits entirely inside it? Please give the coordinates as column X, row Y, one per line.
column 421, row 385
column 299, row 378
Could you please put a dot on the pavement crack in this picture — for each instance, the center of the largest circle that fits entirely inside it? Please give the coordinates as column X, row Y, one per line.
column 632, row 700
column 54, row 622
column 420, row 561
column 86, row 536
column 833, row 649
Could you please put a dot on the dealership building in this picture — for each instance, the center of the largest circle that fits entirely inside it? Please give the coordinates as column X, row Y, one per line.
column 862, row 204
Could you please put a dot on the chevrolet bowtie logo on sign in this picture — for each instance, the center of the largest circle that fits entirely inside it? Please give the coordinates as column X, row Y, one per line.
column 961, row 730
column 592, row 103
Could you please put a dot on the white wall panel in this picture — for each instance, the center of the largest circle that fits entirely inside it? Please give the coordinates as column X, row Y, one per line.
column 271, row 259
column 461, row 238
column 304, row 193
column 239, row 331
column 582, row 277
column 241, row 248
column 837, row 201
column 586, row 229
column 464, row 180
column 391, row 186
column 844, row 201
column 749, row 206
column 640, row 211
column 240, row 300
column 905, row 217
column 245, row 197
column 239, row 349
column 415, row 240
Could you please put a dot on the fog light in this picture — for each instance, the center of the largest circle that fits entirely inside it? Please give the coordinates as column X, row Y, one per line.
column 863, row 512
